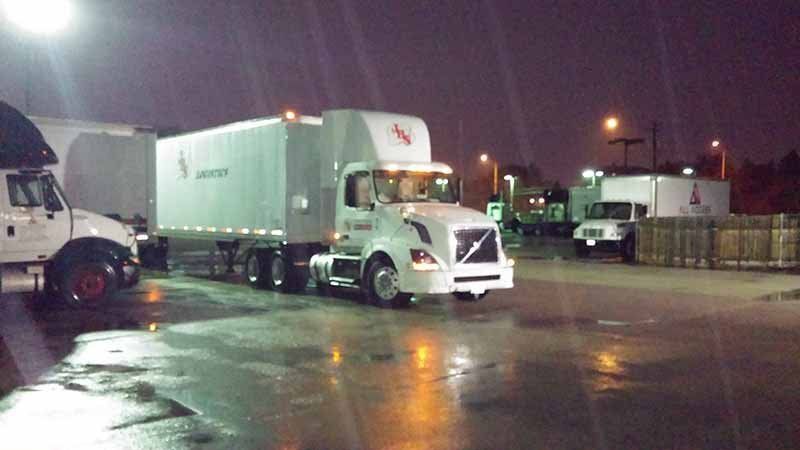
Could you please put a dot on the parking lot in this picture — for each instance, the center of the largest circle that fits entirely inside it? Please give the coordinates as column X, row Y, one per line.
column 580, row 354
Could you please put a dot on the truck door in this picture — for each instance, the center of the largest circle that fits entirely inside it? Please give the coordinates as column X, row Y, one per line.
column 37, row 222
column 355, row 222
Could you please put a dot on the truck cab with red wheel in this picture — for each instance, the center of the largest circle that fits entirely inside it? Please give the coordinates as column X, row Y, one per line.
column 46, row 246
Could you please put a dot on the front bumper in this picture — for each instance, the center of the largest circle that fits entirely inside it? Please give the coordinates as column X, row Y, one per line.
column 603, row 245
column 477, row 280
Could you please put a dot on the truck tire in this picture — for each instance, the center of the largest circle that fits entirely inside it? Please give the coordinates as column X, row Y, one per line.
column 254, row 269
column 628, row 249
column 469, row 296
column 581, row 249
column 381, row 285
column 283, row 276
column 89, row 284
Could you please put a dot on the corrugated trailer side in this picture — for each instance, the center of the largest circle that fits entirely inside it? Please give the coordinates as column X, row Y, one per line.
column 241, row 181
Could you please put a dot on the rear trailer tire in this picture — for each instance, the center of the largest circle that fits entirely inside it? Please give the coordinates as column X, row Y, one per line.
column 284, row 276
column 469, row 296
column 382, row 286
column 254, row 270
column 89, row 284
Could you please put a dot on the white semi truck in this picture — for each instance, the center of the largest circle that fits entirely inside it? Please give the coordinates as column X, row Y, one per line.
column 46, row 245
column 105, row 167
column 611, row 222
column 351, row 199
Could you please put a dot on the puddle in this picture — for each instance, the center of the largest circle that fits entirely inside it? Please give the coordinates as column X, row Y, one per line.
column 785, row 296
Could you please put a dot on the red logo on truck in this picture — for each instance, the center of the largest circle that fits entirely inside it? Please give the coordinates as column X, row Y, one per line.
column 401, row 135
column 695, row 199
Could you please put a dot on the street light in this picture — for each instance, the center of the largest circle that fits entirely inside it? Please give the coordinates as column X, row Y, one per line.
column 688, row 171
column 511, row 181
column 716, row 143
column 484, row 159
column 611, row 123
column 593, row 174
column 39, row 17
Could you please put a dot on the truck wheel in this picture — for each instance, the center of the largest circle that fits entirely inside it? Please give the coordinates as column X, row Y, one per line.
column 254, row 270
column 382, row 286
column 89, row 284
column 469, row 296
column 629, row 250
column 283, row 276
column 581, row 250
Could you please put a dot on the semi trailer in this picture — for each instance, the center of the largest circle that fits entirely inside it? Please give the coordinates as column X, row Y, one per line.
column 611, row 222
column 48, row 248
column 350, row 199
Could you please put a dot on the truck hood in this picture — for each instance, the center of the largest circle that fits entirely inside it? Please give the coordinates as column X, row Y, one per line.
column 89, row 224
column 449, row 214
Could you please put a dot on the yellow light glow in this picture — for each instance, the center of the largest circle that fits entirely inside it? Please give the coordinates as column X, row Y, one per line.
column 612, row 123
column 229, row 230
column 245, row 231
column 153, row 327
column 531, row 201
column 510, row 262
column 484, row 157
column 541, row 200
column 276, row 232
column 422, row 357
column 716, row 143
column 336, row 236
column 336, row 355
column 198, row 228
column 290, row 115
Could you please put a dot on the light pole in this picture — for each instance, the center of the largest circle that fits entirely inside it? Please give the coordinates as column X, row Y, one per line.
column 485, row 159
column 40, row 17
column 611, row 123
column 511, row 180
column 716, row 143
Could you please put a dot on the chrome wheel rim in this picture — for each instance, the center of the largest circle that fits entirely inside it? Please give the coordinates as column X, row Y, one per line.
column 386, row 283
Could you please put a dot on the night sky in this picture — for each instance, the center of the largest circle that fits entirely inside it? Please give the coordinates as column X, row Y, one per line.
column 530, row 81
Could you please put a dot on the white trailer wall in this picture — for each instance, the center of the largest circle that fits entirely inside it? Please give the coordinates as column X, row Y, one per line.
column 679, row 196
column 256, row 178
column 102, row 167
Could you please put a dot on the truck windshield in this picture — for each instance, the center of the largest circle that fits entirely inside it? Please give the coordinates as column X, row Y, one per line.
column 616, row 211
column 401, row 186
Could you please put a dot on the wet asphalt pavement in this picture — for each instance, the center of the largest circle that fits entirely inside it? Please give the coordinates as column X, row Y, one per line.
column 579, row 355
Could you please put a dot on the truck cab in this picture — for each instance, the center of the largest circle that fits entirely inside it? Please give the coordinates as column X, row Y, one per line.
column 610, row 226
column 402, row 230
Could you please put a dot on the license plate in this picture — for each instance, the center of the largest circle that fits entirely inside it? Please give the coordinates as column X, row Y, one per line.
column 591, row 242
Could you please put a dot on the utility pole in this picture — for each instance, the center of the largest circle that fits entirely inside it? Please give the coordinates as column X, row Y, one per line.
column 655, row 146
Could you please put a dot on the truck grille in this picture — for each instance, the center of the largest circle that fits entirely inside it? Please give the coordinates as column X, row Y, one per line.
column 466, row 239
column 593, row 232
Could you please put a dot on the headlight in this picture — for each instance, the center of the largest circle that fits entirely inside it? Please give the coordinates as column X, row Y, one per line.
column 423, row 261
column 142, row 237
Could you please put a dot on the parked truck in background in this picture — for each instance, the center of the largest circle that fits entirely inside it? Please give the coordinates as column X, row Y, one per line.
column 48, row 247
column 106, row 167
column 611, row 222
column 350, row 199
column 553, row 212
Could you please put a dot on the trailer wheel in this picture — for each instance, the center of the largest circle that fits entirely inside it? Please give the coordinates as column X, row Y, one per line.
column 89, row 284
column 469, row 296
column 284, row 276
column 382, row 285
column 254, row 269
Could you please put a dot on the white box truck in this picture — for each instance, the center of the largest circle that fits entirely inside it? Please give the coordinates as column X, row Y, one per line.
column 105, row 167
column 46, row 245
column 611, row 222
column 351, row 199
